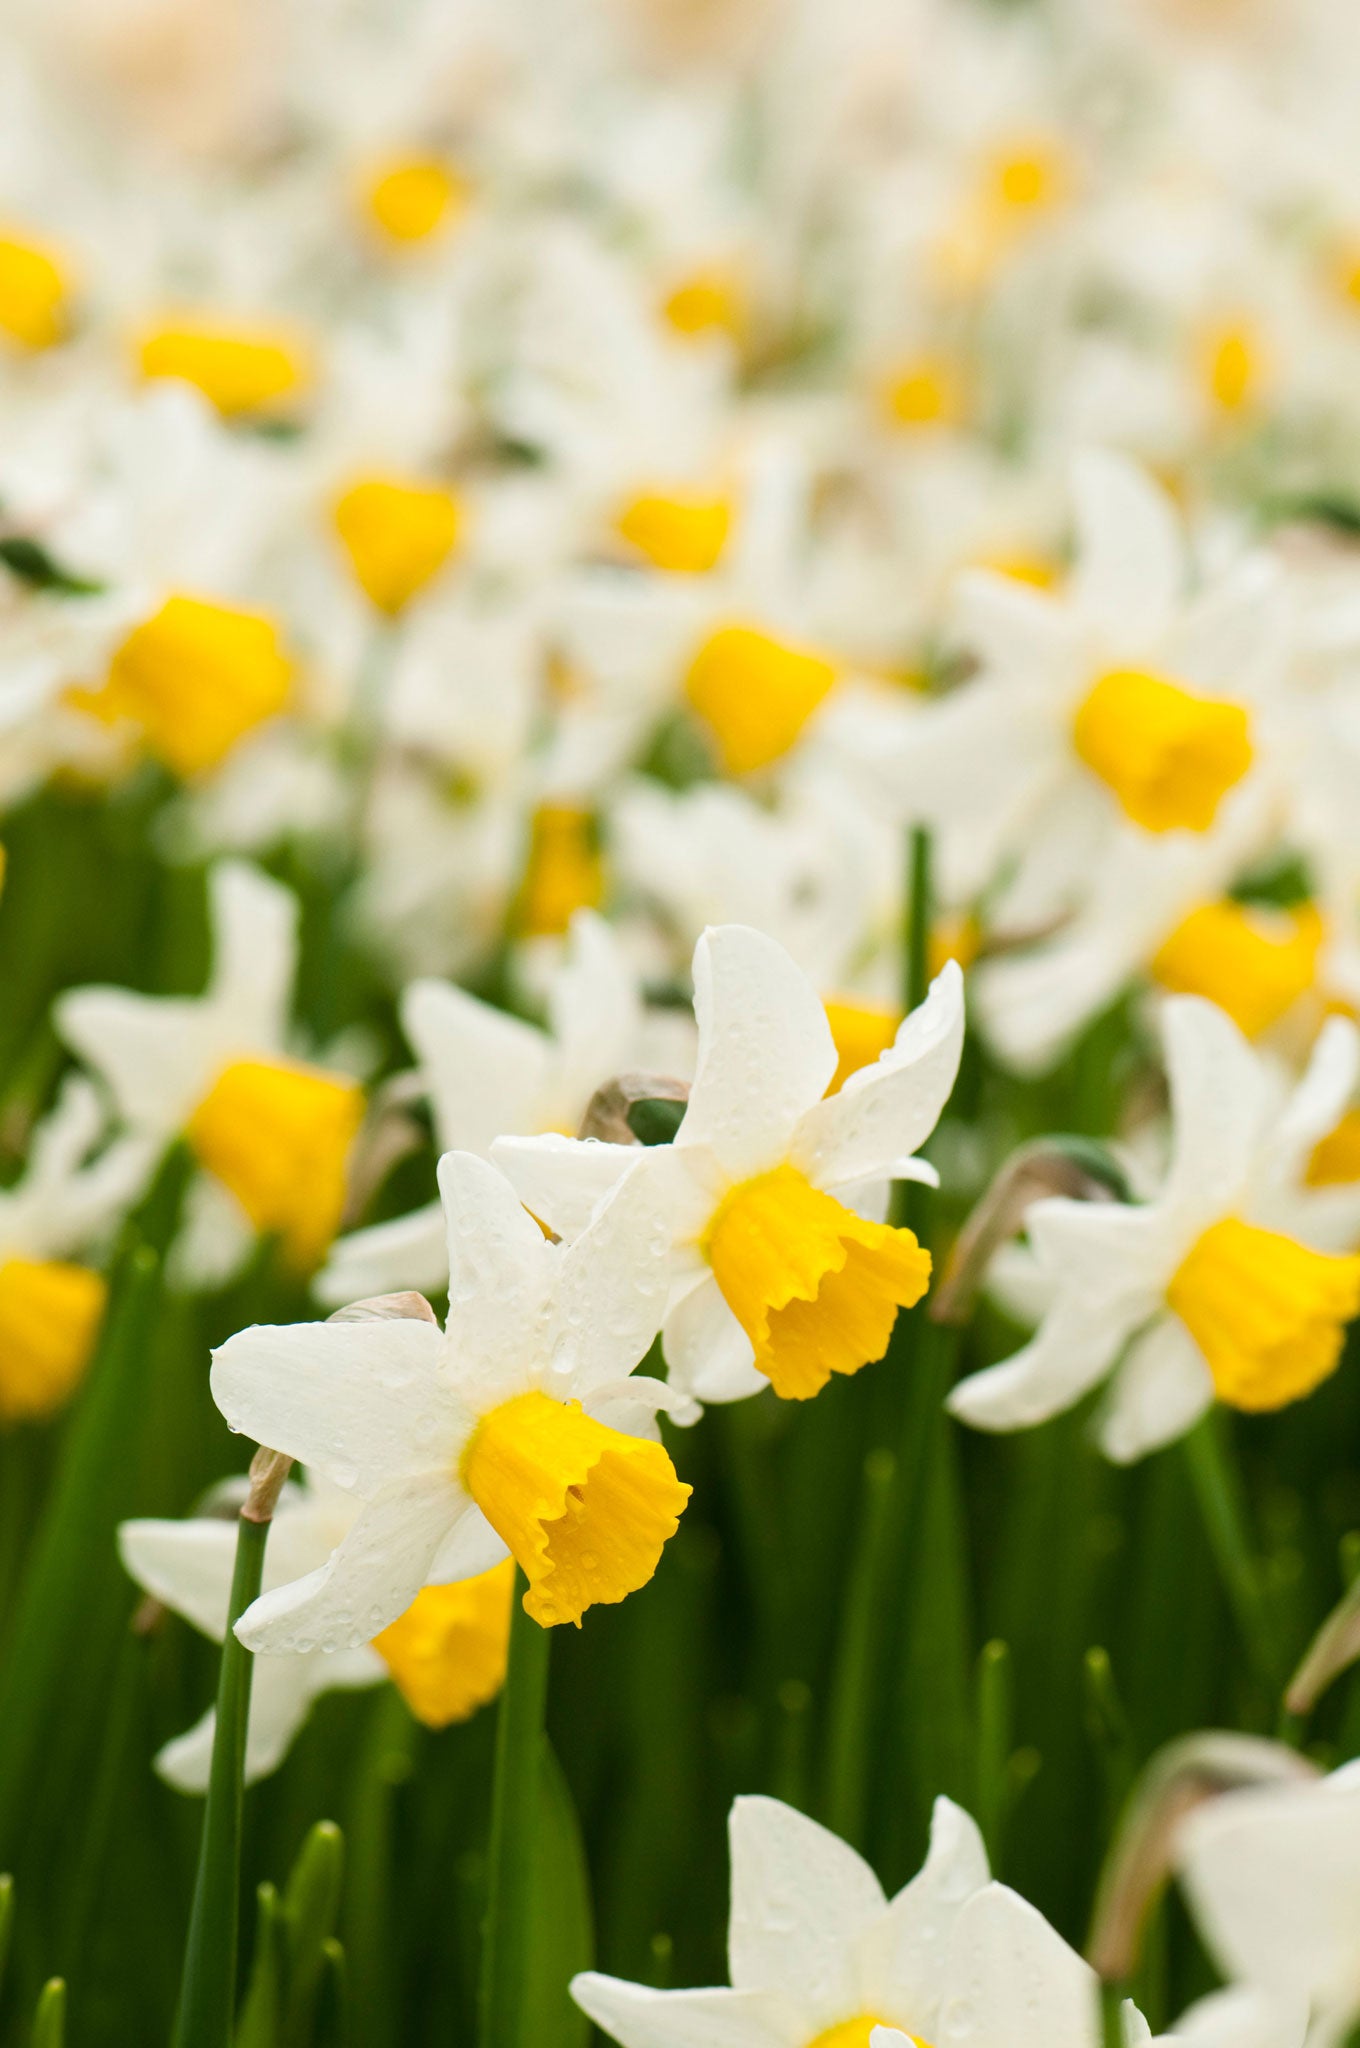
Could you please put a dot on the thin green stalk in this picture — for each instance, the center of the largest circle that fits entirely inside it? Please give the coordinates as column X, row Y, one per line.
column 49, row 2022
column 208, row 1990
column 995, row 1740
column 1218, row 1490
column 854, row 1691
column 916, row 950
column 514, row 1830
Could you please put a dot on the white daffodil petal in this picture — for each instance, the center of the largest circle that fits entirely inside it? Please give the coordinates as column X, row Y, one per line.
column 1242, row 2017
column 362, row 1402
column 561, row 1180
column 1160, row 1390
column 254, row 924
column 801, row 1900
column 157, row 1055
column 500, row 1269
column 1317, row 1103
column 887, row 1110
column 1075, row 1346
column 186, row 1760
column 185, row 1565
column 484, row 1070
column 1219, row 1103
column 1273, row 1878
column 409, row 1251
column 594, row 1009
column 470, row 1548
column 904, row 1953
column 1014, row 1979
column 765, row 1049
column 371, row 1578
column 707, row 1351
column 1130, row 564
column 612, row 1282
column 638, row 2017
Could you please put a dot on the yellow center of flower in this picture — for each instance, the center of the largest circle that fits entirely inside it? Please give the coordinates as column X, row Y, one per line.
column 196, row 677
column 815, row 1287
column 278, row 1135
column 925, row 392
column 239, row 369
column 755, row 694
column 1254, row 962
column 685, row 535
column 584, row 1510
column 1169, row 757
column 411, row 198
column 1268, row 1313
column 1030, row 179
column 49, row 1320
column 397, row 536
column 709, row 301
column 861, row 1032
column 1235, row 366
column 1336, row 1158
column 564, row 872
column 33, row 293
column 447, row 1653
column 855, row 2033
column 1040, row 572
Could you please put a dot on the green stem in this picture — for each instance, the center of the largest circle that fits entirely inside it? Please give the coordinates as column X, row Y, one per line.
column 514, row 1830
column 916, row 950
column 995, row 1741
column 1218, row 1490
column 208, row 1991
column 854, row 1692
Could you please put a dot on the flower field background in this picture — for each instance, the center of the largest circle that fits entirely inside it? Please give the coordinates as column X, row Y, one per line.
column 679, row 723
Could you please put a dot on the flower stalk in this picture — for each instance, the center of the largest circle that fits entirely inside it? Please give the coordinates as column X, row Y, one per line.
column 514, row 1830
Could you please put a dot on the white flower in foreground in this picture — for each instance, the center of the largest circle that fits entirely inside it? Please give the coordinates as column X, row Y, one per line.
column 1120, row 701
column 486, row 1073
column 50, row 1304
column 1273, row 1878
column 504, row 1433
column 1198, row 1294
column 446, row 1653
column 274, row 1133
column 820, row 1958
column 775, row 1275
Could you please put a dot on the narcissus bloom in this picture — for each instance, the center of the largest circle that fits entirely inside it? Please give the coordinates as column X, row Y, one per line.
column 774, row 1191
column 486, row 1073
column 821, row 1959
column 51, row 1306
column 1199, row 1294
column 446, row 1654
column 518, row 1429
column 273, row 1132
column 1121, row 701
column 1273, row 1879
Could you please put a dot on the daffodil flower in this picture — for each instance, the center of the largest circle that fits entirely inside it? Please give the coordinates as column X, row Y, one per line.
column 446, row 1653
column 821, row 1959
column 272, row 1132
column 1119, row 701
column 774, row 1191
column 51, row 1304
column 1202, row 1293
column 518, row 1429
column 1272, row 1874
column 487, row 1073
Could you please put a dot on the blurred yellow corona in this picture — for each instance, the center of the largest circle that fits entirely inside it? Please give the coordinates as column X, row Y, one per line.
column 1268, row 1313
column 685, row 535
column 410, row 199
column 564, row 872
column 34, row 293
column 397, row 535
column 49, row 1319
column 196, row 677
column 755, row 694
column 1254, row 963
column 239, row 369
column 278, row 1135
column 1168, row 756
column 861, row 1032
column 447, row 1653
